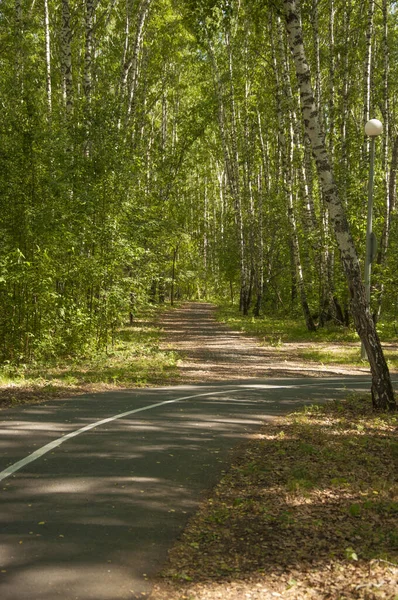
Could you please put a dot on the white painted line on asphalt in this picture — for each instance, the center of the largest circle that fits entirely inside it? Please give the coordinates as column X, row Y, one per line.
column 54, row 444
column 48, row 447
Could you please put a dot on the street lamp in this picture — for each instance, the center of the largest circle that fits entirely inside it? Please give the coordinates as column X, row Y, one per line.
column 373, row 128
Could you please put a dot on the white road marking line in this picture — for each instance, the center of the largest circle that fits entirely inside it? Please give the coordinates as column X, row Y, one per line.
column 54, row 444
column 48, row 447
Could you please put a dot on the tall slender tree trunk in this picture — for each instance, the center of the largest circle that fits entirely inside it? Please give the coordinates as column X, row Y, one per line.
column 288, row 168
column 88, row 54
column 260, row 247
column 88, row 68
column 246, row 288
column 331, row 100
column 382, row 390
column 48, row 56
column 345, row 98
column 388, row 196
column 316, row 43
column 133, row 65
column 66, row 58
column 288, row 135
column 231, row 160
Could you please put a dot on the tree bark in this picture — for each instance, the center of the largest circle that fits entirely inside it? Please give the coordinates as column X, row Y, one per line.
column 89, row 21
column 133, row 64
column 231, row 160
column 286, row 139
column 48, row 56
column 382, row 390
column 66, row 58
column 388, row 196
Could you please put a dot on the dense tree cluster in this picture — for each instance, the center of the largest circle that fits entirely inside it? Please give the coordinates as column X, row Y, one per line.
column 154, row 148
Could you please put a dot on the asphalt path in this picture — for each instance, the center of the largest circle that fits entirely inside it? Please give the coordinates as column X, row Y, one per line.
column 95, row 489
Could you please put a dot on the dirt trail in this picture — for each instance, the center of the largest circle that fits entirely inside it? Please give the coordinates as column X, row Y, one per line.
column 212, row 352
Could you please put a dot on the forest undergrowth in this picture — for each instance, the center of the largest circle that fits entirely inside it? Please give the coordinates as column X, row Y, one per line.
column 133, row 359
column 308, row 510
column 135, row 356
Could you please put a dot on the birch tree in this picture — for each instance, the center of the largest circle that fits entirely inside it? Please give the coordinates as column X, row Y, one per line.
column 382, row 391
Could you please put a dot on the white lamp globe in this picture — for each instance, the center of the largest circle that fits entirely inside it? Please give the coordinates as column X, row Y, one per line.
column 373, row 128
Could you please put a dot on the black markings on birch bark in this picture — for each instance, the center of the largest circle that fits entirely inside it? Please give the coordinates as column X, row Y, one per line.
column 382, row 391
column 88, row 67
column 231, row 161
column 87, row 76
column 66, row 58
column 132, row 68
column 316, row 42
column 48, row 56
column 331, row 115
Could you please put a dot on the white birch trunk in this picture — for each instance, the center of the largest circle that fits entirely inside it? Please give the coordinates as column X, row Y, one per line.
column 133, row 65
column 382, row 391
column 389, row 198
column 344, row 115
column 48, row 56
column 231, row 160
column 316, row 42
column 66, row 58
column 331, row 115
column 286, row 146
column 88, row 55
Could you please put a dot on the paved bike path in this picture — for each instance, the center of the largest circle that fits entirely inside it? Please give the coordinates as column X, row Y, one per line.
column 93, row 515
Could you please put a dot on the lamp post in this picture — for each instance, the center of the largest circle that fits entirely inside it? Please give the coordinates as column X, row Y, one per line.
column 373, row 128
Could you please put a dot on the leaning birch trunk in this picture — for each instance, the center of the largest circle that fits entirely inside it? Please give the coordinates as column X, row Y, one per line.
column 310, row 221
column 382, row 391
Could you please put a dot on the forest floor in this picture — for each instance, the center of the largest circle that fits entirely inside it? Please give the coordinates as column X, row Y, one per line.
column 308, row 508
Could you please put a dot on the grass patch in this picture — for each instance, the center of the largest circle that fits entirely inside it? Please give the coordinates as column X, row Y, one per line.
column 135, row 359
column 309, row 509
column 342, row 355
column 331, row 344
column 276, row 331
